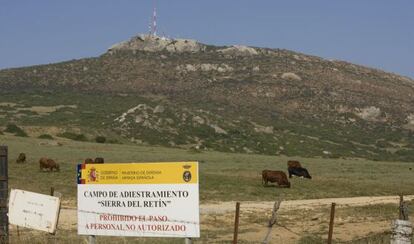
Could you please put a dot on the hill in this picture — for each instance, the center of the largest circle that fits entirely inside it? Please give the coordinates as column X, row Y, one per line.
column 181, row 93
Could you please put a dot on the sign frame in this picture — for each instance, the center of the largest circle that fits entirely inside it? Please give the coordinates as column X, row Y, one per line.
column 150, row 199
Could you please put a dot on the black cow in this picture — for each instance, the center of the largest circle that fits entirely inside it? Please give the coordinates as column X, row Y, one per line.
column 301, row 172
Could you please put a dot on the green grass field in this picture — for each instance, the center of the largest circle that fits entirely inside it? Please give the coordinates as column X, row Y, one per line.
column 223, row 176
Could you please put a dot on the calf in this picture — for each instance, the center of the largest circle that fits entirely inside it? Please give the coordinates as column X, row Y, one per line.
column 275, row 176
column 21, row 158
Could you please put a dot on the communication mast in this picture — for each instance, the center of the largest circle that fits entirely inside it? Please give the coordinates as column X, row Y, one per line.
column 153, row 25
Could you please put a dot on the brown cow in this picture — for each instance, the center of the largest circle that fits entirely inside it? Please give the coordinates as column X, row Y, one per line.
column 88, row 161
column 21, row 158
column 47, row 163
column 275, row 176
column 99, row 160
column 294, row 164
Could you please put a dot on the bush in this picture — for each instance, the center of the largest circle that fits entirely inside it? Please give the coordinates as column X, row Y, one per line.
column 45, row 136
column 100, row 139
column 16, row 130
column 73, row 136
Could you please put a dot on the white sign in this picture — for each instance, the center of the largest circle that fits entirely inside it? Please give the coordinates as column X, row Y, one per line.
column 139, row 199
column 33, row 210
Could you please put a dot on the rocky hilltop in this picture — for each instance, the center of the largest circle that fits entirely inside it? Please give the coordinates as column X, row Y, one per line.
column 153, row 43
column 180, row 92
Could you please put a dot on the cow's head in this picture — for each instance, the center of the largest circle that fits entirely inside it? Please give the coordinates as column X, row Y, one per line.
column 306, row 174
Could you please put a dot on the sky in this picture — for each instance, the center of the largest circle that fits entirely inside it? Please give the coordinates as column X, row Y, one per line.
column 374, row 33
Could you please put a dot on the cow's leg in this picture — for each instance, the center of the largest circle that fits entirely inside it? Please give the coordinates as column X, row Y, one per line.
column 264, row 182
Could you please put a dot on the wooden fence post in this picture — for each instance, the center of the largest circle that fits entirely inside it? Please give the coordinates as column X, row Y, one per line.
column 400, row 212
column 272, row 221
column 403, row 209
column 4, row 191
column 331, row 222
column 236, row 223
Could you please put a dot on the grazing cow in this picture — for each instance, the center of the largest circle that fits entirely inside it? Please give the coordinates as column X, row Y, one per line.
column 47, row 163
column 88, row 161
column 294, row 164
column 275, row 176
column 21, row 158
column 301, row 172
column 99, row 160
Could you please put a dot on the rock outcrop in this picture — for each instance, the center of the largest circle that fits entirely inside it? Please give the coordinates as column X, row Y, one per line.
column 152, row 43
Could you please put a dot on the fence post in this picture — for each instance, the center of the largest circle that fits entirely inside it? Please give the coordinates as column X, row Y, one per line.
column 272, row 221
column 331, row 222
column 91, row 240
column 4, row 191
column 236, row 223
column 403, row 209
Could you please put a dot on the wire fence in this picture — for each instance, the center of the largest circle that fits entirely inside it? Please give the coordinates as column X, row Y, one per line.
column 70, row 236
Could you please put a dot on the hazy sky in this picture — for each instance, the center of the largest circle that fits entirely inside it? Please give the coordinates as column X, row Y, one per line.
column 376, row 33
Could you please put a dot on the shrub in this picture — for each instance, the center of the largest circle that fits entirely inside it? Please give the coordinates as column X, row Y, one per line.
column 73, row 136
column 14, row 129
column 45, row 136
column 382, row 144
column 100, row 139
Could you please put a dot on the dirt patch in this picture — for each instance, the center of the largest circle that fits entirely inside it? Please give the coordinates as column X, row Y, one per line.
column 224, row 207
column 8, row 104
column 44, row 110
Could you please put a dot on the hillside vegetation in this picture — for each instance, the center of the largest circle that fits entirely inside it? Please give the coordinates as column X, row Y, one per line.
column 180, row 93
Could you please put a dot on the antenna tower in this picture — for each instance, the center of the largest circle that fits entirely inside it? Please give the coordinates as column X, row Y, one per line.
column 154, row 21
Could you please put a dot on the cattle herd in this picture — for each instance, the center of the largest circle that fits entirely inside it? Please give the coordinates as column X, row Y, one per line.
column 272, row 176
column 279, row 177
column 48, row 164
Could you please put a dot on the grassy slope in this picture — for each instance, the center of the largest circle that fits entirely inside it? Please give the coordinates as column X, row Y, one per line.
column 94, row 114
column 223, row 176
